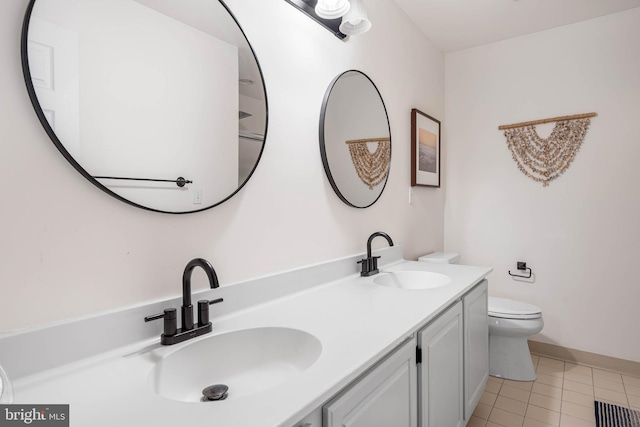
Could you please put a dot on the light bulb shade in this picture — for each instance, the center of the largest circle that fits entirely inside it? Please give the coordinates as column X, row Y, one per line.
column 332, row 9
column 356, row 20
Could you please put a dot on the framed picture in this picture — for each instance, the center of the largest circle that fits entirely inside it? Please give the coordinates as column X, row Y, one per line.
column 425, row 150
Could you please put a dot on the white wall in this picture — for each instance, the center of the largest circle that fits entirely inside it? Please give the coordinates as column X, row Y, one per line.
column 581, row 235
column 67, row 249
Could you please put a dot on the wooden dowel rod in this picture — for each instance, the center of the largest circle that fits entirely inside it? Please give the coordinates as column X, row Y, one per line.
column 554, row 119
column 358, row 141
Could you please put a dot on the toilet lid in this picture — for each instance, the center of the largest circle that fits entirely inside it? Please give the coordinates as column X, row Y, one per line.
column 510, row 309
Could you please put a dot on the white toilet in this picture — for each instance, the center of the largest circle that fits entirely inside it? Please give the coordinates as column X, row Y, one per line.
column 510, row 324
column 441, row 258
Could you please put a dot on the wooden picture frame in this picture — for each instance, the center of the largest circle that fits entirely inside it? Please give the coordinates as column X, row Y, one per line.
column 425, row 150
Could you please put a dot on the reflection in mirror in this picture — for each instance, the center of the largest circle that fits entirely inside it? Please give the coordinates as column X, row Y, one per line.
column 148, row 89
column 355, row 139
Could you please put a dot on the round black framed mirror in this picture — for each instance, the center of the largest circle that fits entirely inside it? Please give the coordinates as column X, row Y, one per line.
column 355, row 139
column 159, row 103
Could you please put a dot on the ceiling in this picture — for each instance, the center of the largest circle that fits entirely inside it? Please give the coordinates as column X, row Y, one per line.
column 460, row 24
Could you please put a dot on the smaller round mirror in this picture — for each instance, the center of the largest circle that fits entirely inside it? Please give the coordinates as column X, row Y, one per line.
column 355, row 139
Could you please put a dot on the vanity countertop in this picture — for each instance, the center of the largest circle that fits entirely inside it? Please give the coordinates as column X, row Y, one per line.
column 356, row 321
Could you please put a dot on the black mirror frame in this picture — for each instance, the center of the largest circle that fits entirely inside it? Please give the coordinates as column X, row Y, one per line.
column 54, row 138
column 323, row 152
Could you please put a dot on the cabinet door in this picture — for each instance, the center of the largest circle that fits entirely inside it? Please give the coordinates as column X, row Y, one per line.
column 314, row 419
column 440, row 373
column 384, row 397
column 476, row 346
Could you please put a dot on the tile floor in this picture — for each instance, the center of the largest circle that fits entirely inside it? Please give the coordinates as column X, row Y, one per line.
column 561, row 396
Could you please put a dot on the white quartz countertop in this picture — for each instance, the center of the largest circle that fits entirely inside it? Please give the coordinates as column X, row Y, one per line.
column 356, row 321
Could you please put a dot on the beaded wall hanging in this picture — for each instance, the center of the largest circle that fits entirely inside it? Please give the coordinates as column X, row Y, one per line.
column 371, row 167
column 545, row 159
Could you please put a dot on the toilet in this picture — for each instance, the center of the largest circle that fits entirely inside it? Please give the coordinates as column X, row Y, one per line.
column 441, row 258
column 510, row 324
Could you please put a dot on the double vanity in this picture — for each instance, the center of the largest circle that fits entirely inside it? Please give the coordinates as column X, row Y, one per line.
column 404, row 344
column 316, row 346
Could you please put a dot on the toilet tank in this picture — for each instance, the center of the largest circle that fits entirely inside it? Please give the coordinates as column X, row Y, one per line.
column 441, row 258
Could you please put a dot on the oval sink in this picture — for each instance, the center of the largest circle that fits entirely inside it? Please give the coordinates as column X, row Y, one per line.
column 247, row 361
column 414, row 280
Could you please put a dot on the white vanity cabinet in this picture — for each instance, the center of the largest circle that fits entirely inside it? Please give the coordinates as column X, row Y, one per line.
column 440, row 370
column 454, row 361
column 385, row 396
column 356, row 367
column 476, row 346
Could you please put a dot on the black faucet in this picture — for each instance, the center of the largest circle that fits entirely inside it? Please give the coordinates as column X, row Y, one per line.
column 173, row 335
column 370, row 263
column 187, row 308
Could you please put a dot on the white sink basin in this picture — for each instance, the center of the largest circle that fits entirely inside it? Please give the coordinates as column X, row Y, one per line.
column 247, row 361
column 412, row 280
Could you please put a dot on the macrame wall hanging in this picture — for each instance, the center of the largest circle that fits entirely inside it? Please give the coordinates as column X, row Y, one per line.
column 545, row 159
column 372, row 168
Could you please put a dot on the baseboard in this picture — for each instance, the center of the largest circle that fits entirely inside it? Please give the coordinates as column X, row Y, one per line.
column 609, row 363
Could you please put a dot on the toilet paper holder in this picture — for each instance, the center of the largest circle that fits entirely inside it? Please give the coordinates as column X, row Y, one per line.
column 522, row 266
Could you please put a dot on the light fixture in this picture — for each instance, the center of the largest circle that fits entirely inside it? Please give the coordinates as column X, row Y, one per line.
column 332, row 9
column 356, row 20
column 340, row 17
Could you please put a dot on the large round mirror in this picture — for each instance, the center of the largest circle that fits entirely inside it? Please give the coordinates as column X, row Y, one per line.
column 355, row 139
column 160, row 103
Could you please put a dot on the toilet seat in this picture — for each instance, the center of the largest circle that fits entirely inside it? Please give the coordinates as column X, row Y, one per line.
column 509, row 309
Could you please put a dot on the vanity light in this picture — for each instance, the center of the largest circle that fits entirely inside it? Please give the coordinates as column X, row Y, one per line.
column 332, row 9
column 341, row 17
column 356, row 20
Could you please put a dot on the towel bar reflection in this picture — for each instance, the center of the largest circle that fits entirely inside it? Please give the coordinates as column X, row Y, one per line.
column 180, row 181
